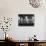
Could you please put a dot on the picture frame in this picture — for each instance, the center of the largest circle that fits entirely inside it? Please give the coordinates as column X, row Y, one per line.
column 26, row 20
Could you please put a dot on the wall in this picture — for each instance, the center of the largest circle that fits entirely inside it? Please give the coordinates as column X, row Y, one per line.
column 11, row 8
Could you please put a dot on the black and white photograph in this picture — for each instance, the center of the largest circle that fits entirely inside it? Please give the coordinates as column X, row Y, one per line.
column 26, row 19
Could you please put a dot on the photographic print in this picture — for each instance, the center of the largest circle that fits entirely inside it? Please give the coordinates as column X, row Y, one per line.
column 26, row 19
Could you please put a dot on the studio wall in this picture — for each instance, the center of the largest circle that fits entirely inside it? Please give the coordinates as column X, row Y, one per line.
column 11, row 8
